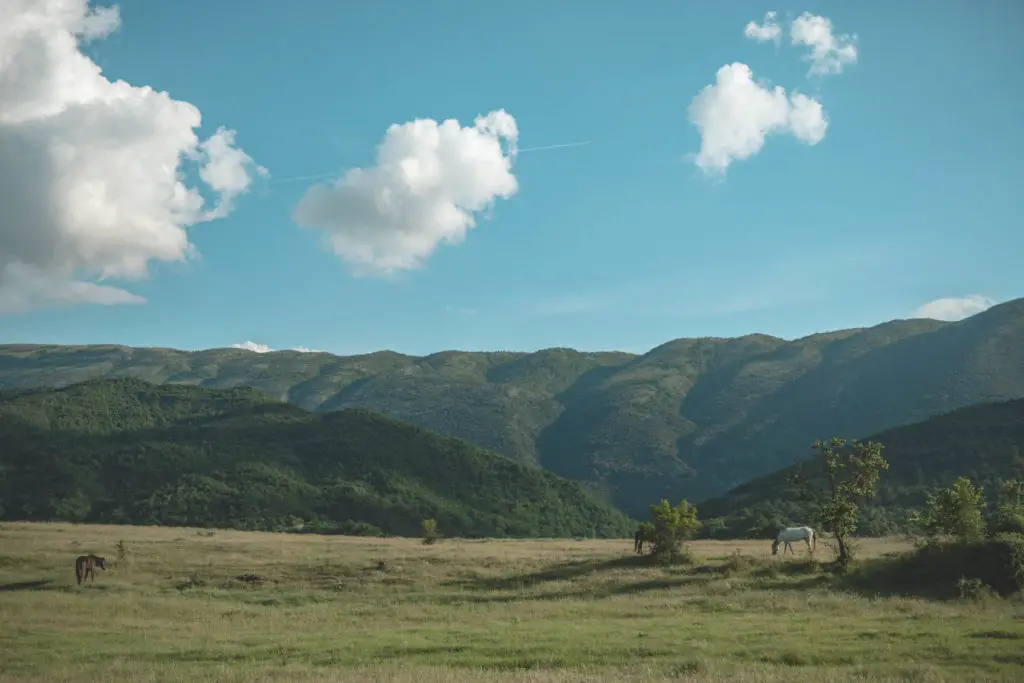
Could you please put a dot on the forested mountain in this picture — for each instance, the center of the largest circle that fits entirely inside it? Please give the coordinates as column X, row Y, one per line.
column 984, row 442
column 691, row 418
column 129, row 451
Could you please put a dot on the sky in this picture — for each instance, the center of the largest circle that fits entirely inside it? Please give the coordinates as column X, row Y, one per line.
column 351, row 177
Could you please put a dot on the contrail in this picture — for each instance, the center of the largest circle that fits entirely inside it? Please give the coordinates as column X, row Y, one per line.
column 561, row 146
column 293, row 179
column 318, row 176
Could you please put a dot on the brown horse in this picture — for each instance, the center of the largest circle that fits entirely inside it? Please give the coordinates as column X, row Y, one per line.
column 85, row 565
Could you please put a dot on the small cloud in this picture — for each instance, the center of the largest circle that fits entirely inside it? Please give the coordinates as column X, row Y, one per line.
column 252, row 346
column 769, row 30
column 263, row 348
column 829, row 52
column 954, row 308
column 736, row 114
column 430, row 181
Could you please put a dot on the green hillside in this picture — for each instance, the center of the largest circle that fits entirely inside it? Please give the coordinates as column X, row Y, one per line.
column 127, row 451
column 691, row 418
column 984, row 442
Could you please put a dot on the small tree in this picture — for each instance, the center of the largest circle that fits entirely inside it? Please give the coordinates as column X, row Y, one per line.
column 429, row 529
column 851, row 478
column 1009, row 513
column 671, row 527
column 954, row 512
column 122, row 556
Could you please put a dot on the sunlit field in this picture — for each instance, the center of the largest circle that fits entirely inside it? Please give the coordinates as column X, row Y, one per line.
column 360, row 609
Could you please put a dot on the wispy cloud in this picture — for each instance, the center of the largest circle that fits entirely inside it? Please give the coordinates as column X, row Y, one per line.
column 339, row 173
column 802, row 278
column 459, row 310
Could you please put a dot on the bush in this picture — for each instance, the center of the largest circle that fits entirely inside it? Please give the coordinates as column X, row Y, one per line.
column 429, row 529
column 671, row 527
column 955, row 512
column 944, row 569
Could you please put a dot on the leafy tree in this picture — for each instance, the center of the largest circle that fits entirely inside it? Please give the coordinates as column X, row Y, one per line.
column 850, row 479
column 671, row 527
column 955, row 511
column 429, row 529
column 1009, row 513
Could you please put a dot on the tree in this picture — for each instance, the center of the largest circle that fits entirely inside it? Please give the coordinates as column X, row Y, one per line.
column 671, row 527
column 955, row 511
column 1009, row 513
column 851, row 473
column 429, row 529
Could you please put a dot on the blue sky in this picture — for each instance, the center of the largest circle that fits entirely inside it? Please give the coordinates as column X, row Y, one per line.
column 912, row 194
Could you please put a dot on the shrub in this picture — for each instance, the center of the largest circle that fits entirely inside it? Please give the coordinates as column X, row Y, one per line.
column 671, row 527
column 955, row 512
column 947, row 569
column 429, row 529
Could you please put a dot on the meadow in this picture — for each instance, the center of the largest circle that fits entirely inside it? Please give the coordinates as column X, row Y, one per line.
column 332, row 608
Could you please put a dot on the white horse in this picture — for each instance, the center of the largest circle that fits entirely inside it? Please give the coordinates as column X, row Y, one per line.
column 795, row 533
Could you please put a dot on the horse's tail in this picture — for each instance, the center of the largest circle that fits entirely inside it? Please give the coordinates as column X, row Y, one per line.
column 78, row 570
column 814, row 540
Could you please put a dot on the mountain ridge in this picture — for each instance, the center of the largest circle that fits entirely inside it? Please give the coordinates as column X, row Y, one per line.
column 692, row 417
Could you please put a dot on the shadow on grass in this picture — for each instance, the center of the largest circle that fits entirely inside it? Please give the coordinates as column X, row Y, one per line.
column 566, row 571
column 593, row 593
column 37, row 585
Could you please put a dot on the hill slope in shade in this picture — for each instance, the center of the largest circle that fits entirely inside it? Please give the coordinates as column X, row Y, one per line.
column 129, row 451
column 984, row 442
column 691, row 418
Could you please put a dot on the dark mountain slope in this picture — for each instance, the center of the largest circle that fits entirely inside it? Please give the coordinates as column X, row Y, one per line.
column 129, row 451
column 984, row 442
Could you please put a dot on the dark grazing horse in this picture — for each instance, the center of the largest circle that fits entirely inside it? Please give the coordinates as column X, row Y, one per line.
column 85, row 565
column 642, row 535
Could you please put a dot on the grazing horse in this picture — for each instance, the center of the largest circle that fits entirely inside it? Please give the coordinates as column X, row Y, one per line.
column 85, row 565
column 643, row 534
column 795, row 533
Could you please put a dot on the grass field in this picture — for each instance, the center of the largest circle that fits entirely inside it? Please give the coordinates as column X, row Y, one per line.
column 358, row 609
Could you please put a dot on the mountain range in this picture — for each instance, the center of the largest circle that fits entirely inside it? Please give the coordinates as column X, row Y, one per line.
column 691, row 418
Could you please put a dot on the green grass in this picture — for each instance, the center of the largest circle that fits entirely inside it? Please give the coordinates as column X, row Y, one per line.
column 359, row 609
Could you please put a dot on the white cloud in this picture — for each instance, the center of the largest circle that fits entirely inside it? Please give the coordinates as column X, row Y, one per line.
column 735, row 115
column 829, row 52
column 252, row 346
column 256, row 347
column 428, row 182
column 954, row 308
column 91, row 170
column 769, row 30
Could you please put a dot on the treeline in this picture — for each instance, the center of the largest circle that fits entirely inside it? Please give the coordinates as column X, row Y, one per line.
column 963, row 539
column 126, row 451
column 984, row 443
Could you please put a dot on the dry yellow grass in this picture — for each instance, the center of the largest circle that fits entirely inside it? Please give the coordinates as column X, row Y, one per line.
column 355, row 609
